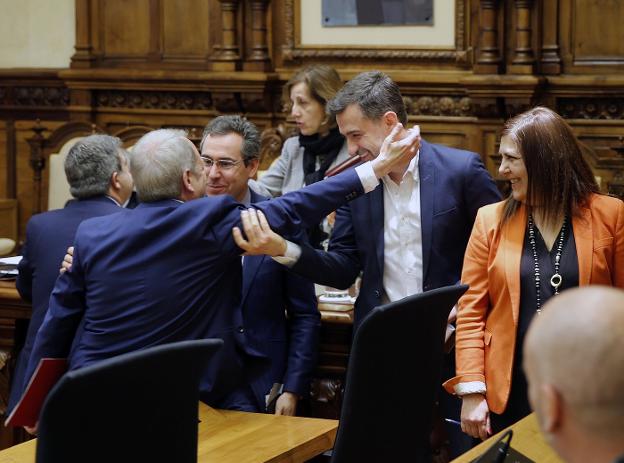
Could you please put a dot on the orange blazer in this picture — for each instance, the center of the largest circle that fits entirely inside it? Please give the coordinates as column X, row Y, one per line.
column 487, row 318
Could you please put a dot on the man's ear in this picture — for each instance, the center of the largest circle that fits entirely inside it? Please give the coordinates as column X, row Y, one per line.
column 187, row 185
column 252, row 167
column 551, row 405
column 115, row 184
column 389, row 119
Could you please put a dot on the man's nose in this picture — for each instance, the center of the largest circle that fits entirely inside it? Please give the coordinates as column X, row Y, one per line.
column 352, row 148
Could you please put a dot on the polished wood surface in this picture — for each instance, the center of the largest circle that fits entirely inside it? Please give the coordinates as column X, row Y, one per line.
column 241, row 437
column 527, row 439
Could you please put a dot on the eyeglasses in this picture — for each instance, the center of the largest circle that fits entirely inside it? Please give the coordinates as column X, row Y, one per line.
column 222, row 164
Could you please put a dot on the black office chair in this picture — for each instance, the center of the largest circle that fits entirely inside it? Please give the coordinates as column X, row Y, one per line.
column 393, row 380
column 140, row 406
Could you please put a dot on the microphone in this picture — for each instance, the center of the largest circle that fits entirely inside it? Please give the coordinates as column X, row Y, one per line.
column 502, row 450
column 497, row 452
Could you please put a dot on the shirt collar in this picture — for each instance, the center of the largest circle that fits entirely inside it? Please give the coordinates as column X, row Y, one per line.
column 247, row 198
column 116, row 202
column 412, row 170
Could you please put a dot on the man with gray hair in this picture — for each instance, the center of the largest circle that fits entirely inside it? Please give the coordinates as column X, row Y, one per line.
column 574, row 362
column 100, row 181
column 170, row 270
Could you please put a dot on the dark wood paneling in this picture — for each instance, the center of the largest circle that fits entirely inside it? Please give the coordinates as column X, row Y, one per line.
column 125, row 28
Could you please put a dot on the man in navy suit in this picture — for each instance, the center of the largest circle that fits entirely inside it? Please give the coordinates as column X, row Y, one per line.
column 170, row 270
column 410, row 234
column 230, row 148
column 100, row 181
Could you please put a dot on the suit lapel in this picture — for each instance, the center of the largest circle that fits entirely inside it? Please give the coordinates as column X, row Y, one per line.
column 426, row 174
column 583, row 237
column 251, row 264
column 376, row 204
column 512, row 241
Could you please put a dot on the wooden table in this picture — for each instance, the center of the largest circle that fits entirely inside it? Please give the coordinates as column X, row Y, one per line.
column 527, row 439
column 241, row 437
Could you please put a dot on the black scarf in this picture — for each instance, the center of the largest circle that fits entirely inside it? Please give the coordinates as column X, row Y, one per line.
column 325, row 148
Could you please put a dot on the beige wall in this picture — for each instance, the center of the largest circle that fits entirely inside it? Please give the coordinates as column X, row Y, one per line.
column 36, row 33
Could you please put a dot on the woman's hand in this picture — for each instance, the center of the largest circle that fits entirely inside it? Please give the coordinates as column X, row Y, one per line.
column 475, row 416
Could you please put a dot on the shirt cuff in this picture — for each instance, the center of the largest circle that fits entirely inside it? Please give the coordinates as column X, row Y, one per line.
column 291, row 256
column 470, row 387
column 367, row 176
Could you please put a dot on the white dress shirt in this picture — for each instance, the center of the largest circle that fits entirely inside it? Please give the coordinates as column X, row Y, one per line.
column 403, row 256
column 403, row 266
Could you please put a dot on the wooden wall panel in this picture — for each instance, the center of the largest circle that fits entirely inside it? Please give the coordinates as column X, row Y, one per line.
column 167, row 63
column 126, row 28
column 3, row 160
column 186, row 29
column 597, row 33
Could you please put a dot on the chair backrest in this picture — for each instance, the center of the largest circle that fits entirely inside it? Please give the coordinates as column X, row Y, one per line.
column 58, row 187
column 140, row 406
column 393, row 379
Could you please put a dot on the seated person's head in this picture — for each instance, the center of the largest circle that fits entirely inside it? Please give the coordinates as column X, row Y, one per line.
column 306, row 95
column 230, row 149
column 574, row 360
column 98, row 165
column 366, row 109
column 166, row 165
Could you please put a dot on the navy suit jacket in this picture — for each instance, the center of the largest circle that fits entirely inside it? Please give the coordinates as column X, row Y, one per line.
column 453, row 186
column 48, row 235
column 270, row 291
column 168, row 271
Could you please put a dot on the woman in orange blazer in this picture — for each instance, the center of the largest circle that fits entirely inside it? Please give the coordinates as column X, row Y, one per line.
column 553, row 232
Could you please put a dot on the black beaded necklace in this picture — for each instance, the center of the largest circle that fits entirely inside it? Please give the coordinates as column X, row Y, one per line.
column 556, row 279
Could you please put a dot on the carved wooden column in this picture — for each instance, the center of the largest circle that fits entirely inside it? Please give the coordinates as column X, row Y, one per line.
column 83, row 57
column 488, row 57
column 227, row 56
column 550, row 61
column 37, row 162
column 524, row 58
column 258, row 59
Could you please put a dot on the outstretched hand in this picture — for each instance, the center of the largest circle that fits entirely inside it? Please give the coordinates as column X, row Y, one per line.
column 260, row 239
column 67, row 260
column 395, row 152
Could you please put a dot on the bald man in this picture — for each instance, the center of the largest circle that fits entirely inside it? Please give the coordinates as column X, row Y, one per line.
column 574, row 362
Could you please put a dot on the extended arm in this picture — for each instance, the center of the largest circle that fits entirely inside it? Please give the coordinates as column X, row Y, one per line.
column 64, row 314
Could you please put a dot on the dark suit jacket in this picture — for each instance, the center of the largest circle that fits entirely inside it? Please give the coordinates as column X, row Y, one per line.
column 168, row 271
column 270, row 291
column 48, row 235
column 453, row 186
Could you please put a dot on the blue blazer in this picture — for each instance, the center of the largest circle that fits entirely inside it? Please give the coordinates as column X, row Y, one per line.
column 270, row 291
column 169, row 271
column 48, row 235
column 453, row 186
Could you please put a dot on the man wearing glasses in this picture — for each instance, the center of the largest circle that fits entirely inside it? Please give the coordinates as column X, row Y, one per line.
column 230, row 148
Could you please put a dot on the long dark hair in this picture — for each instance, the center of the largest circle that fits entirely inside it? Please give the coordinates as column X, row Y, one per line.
column 560, row 180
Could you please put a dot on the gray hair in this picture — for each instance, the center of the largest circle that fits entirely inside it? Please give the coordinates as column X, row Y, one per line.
column 374, row 92
column 90, row 164
column 158, row 161
column 224, row 125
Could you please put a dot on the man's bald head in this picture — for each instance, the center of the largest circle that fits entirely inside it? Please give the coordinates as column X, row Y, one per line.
column 574, row 359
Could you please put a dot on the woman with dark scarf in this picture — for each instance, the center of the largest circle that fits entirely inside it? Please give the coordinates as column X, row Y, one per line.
column 319, row 146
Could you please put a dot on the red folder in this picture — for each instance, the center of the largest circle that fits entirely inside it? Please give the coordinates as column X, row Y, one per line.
column 26, row 412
